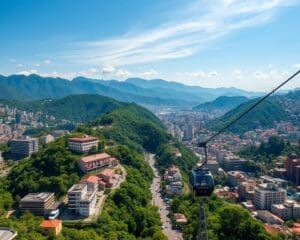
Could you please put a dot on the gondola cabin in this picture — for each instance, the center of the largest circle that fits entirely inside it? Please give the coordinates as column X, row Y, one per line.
column 202, row 182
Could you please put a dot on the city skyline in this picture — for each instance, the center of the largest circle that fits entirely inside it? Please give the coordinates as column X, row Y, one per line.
column 250, row 45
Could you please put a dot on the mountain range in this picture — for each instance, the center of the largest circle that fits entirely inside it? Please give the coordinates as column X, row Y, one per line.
column 274, row 109
column 221, row 104
column 146, row 92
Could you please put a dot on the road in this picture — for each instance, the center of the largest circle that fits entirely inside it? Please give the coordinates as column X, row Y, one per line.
column 162, row 207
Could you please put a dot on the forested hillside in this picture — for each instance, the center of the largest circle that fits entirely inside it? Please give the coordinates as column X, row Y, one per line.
column 221, row 104
column 274, row 109
column 78, row 108
column 128, row 214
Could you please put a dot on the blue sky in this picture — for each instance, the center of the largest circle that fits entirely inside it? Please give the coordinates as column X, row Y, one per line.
column 249, row 44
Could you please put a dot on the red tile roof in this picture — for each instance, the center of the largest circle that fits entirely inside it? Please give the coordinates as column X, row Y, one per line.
column 179, row 217
column 92, row 179
column 95, row 157
column 82, row 139
column 108, row 172
column 50, row 223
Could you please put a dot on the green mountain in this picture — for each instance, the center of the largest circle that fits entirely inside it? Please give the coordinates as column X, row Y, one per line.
column 79, row 108
column 127, row 212
column 141, row 91
column 133, row 126
column 270, row 111
column 221, row 104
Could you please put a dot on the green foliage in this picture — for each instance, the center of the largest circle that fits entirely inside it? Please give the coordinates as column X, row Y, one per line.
column 267, row 151
column 27, row 227
column 221, row 103
column 224, row 221
column 128, row 213
column 165, row 157
column 6, row 200
column 133, row 126
column 263, row 115
column 79, row 108
column 51, row 169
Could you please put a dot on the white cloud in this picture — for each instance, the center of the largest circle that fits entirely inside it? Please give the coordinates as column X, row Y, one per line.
column 260, row 75
column 37, row 65
column 213, row 74
column 12, row 60
column 237, row 73
column 201, row 74
column 47, row 61
column 28, row 72
column 198, row 74
column 149, row 73
column 20, row 65
column 108, row 69
column 297, row 65
column 121, row 73
column 181, row 38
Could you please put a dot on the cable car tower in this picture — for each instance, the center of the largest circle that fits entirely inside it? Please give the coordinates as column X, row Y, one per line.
column 202, row 180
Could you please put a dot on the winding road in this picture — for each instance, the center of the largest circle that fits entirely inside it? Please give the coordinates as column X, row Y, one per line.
column 158, row 201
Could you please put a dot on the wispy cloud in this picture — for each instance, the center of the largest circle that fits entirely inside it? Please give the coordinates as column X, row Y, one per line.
column 182, row 38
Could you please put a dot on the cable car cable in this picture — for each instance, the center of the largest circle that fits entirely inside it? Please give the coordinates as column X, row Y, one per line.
column 201, row 174
column 248, row 110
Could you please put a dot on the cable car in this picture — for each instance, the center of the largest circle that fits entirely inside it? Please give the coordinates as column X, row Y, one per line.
column 202, row 181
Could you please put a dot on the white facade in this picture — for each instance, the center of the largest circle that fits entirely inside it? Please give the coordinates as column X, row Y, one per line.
column 82, row 200
column 267, row 194
column 82, row 145
column 46, row 139
column 288, row 210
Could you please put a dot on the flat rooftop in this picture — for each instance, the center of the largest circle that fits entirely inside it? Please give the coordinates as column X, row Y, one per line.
column 7, row 233
column 36, row 197
column 77, row 187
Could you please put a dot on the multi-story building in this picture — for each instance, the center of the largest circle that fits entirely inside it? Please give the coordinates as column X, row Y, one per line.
column 235, row 178
column 213, row 166
column 96, row 161
column 82, row 144
column 24, row 147
column 292, row 165
column 108, row 177
column 173, row 180
column 59, row 133
column 188, row 132
column 288, row 210
column 46, row 139
column 82, row 199
column 233, row 163
column 267, row 194
column 278, row 181
column 38, row 203
column 92, row 182
column 246, row 190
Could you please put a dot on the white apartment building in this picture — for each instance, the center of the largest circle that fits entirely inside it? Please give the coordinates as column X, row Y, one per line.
column 82, row 199
column 267, row 194
column 82, row 144
column 288, row 210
